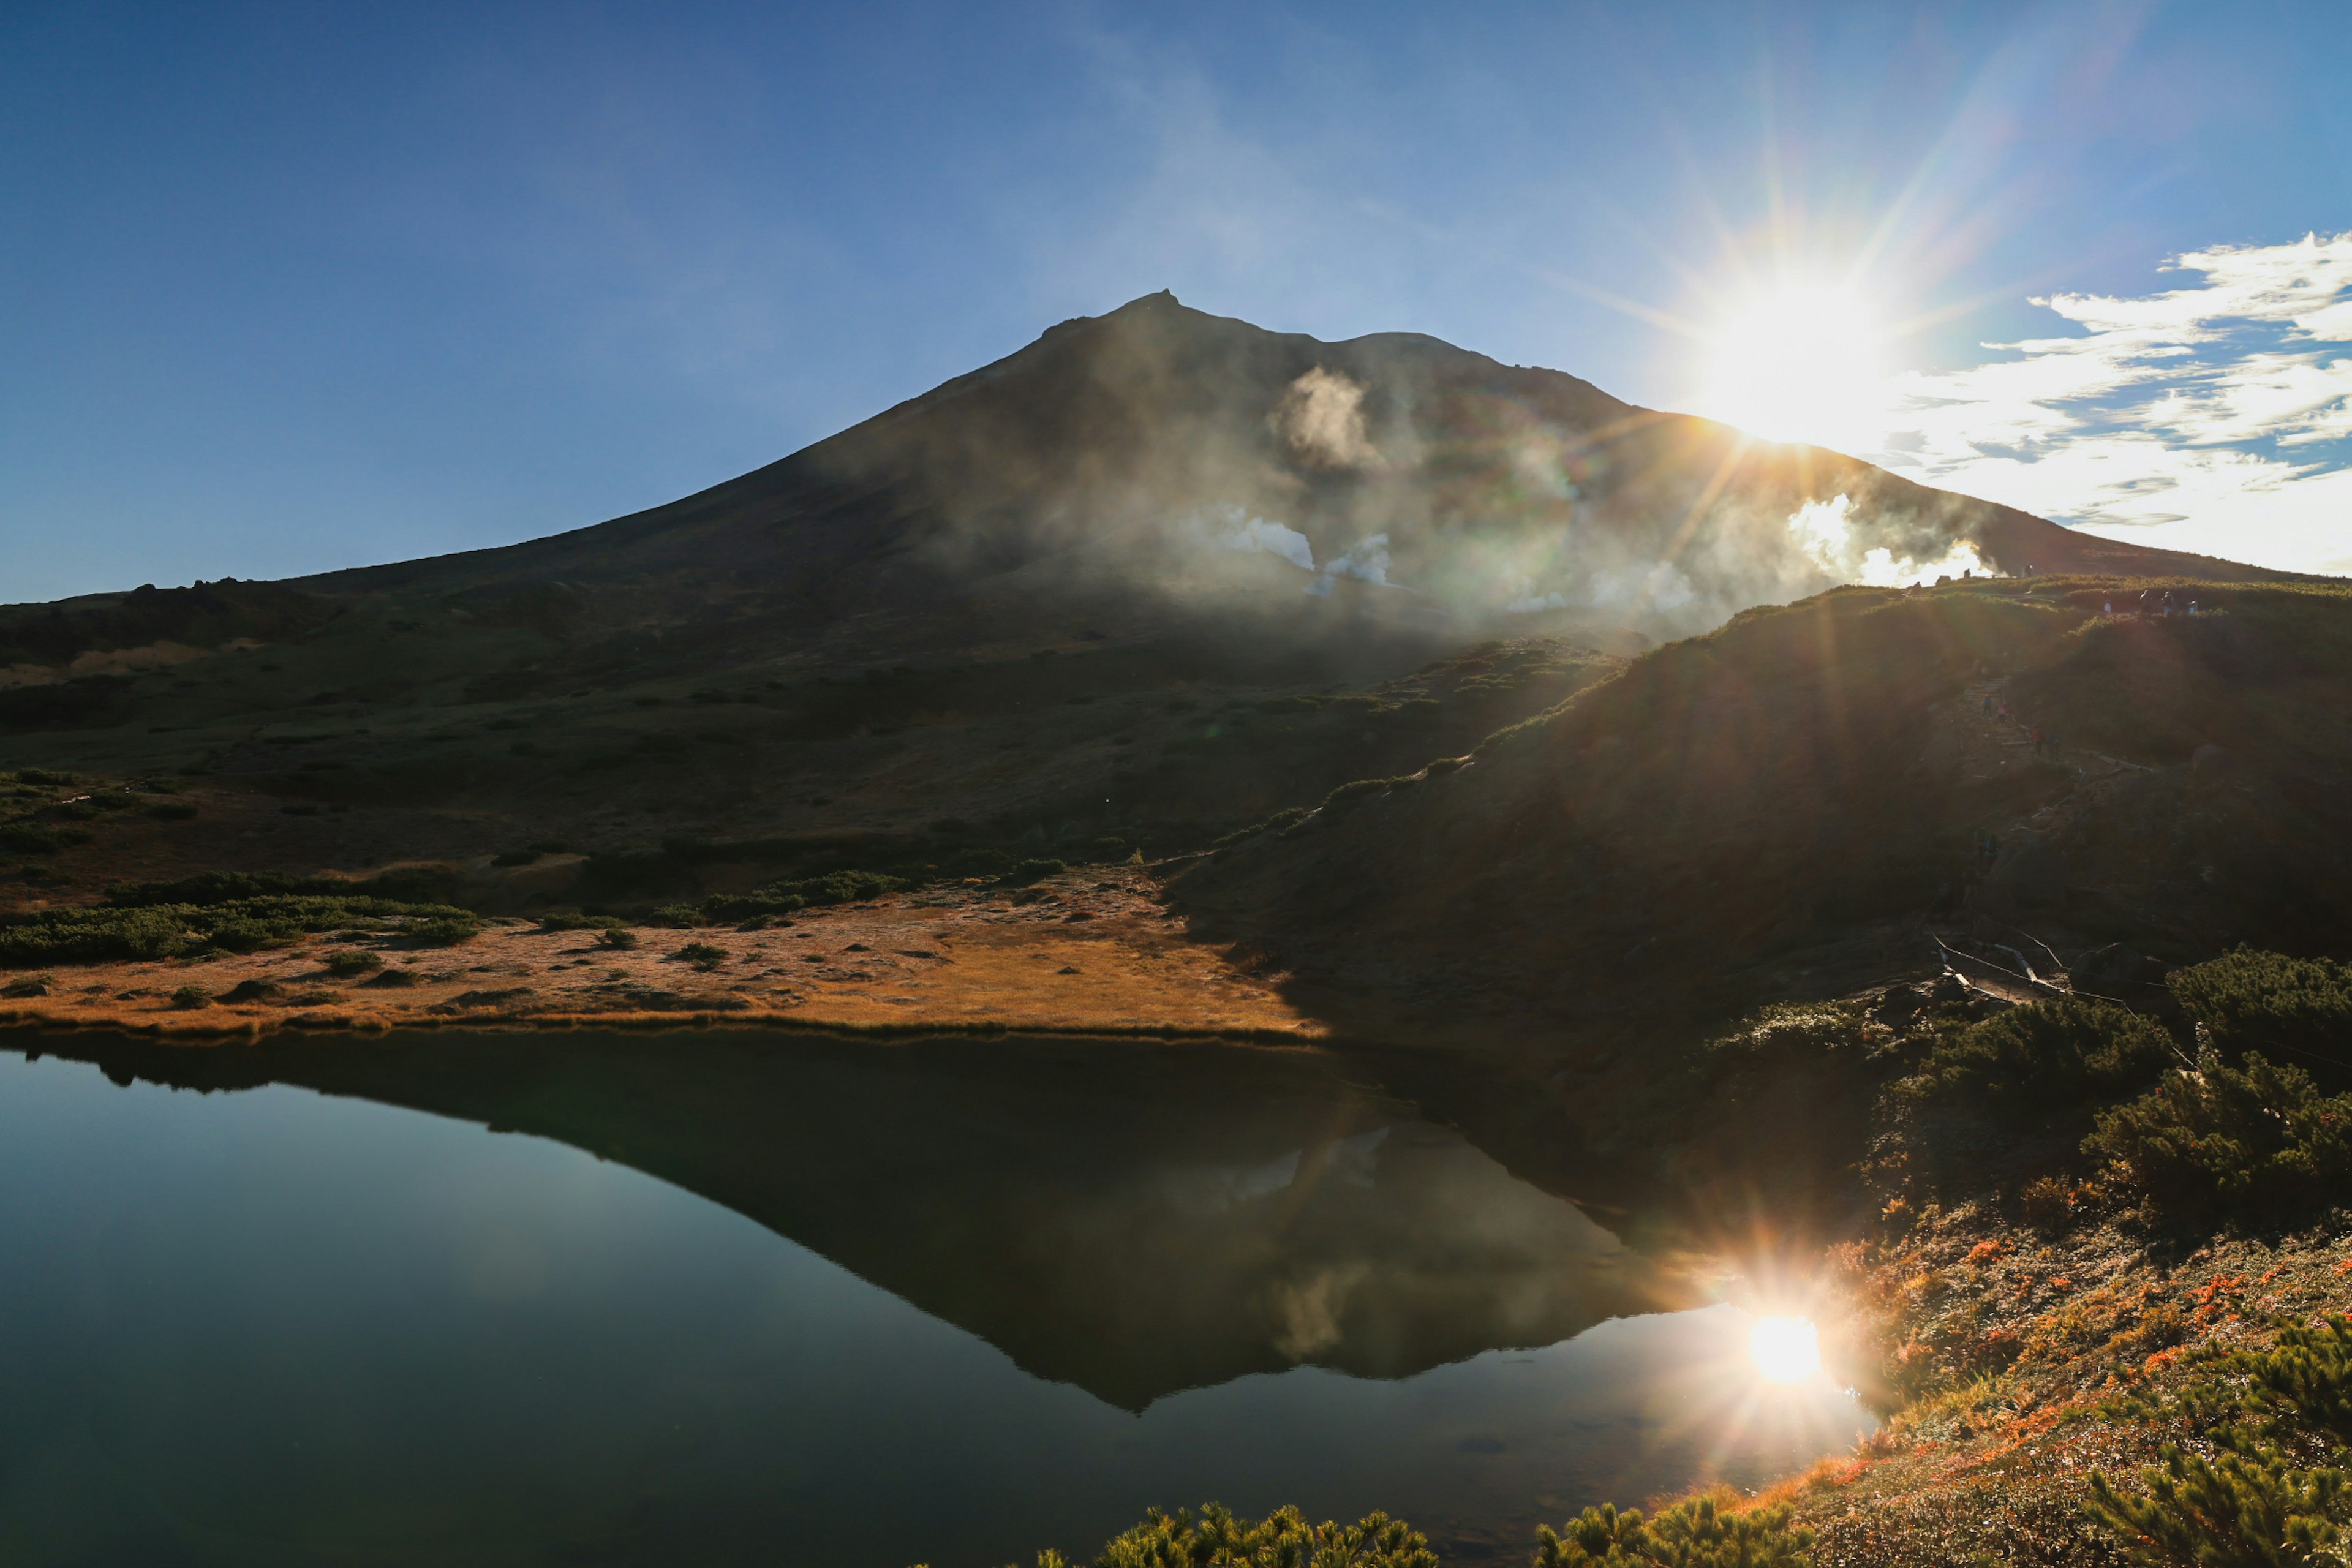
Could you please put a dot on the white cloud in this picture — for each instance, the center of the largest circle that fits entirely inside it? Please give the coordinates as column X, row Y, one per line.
column 2215, row 417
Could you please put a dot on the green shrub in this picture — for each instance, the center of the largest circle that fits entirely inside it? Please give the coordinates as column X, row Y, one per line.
column 31, row 985
column 192, row 996
column 31, row 839
column 251, row 935
column 252, row 991
column 702, row 955
column 2252, row 1503
column 165, row 931
column 2044, row 1061
column 353, row 962
column 2251, row 1141
column 2301, row 1007
column 1693, row 1534
column 786, row 897
column 395, row 978
column 1287, row 817
column 1792, row 1032
column 1218, row 1539
column 562, row 920
column 221, row 887
column 442, row 931
column 617, row 936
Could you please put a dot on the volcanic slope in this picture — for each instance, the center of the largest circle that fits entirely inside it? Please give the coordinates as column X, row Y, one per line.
column 1150, row 579
column 1868, row 785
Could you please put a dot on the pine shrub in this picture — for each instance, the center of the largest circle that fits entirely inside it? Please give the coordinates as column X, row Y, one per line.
column 2045, row 1061
column 1692, row 1534
column 1218, row 1539
column 2296, row 1007
column 2257, row 1500
column 2255, row 1141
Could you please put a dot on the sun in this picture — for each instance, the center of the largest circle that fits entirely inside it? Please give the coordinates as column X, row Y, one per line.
column 1785, row 1350
column 1800, row 364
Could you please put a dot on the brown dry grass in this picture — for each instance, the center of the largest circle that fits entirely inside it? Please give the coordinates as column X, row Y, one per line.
column 1081, row 956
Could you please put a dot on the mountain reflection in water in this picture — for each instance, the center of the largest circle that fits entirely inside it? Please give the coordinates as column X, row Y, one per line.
column 246, row 1329
column 1133, row 1218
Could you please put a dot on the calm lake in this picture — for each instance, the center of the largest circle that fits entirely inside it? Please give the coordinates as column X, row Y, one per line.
column 721, row 1298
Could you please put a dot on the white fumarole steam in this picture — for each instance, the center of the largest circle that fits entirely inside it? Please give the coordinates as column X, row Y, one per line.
column 1321, row 415
column 1367, row 561
column 1822, row 529
column 1662, row 586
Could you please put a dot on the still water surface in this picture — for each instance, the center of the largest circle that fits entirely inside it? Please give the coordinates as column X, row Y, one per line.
column 718, row 1300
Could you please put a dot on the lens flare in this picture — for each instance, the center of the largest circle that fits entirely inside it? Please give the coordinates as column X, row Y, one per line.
column 1801, row 364
column 1785, row 1350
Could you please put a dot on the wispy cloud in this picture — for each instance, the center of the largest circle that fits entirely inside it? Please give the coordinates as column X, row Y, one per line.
column 2215, row 417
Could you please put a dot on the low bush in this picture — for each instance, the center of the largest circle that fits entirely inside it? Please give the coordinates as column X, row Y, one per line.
column 617, row 937
column 192, row 996
column 221, row 887
column 786, row 897
column 2301, row 1007
column 2253, row 1140
column 1697, row 1533
column 252, row 991
column 565, row 920
column 2266, row 1415
column 34, row 839
column 165, row 931
column 702, row 955
column 1790, row 1032
column 2043, row 1062
column 1218, row 1539
column 442, row 929
column 31, row 985
column 1288, row 818
column 353, row 962
column 1031, row 870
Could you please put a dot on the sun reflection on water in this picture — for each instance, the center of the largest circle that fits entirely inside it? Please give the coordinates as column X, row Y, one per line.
column 1785, row 1350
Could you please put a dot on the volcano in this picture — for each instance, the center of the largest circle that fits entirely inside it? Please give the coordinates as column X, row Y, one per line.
column 1156, row 575
column 1160, row 458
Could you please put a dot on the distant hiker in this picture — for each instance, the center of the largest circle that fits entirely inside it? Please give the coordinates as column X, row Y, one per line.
column 2192, row 606
column 2037, row 740
column 2110, row 609
column 2004, row 713
column 2165, row 608
column 1988, row 705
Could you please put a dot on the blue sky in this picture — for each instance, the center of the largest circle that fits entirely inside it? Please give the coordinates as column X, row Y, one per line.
column 289, row 288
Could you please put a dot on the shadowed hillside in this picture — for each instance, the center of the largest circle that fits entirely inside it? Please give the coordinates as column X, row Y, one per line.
column 1791, row 803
